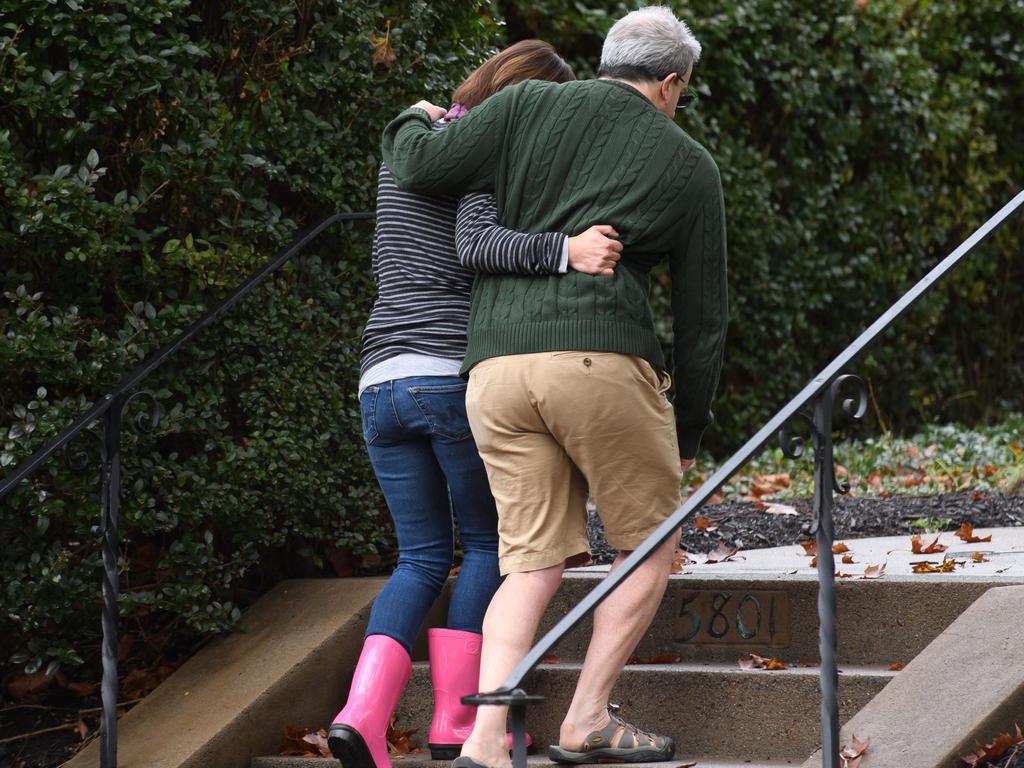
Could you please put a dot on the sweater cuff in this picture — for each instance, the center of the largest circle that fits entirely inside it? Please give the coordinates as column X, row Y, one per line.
column 563, row 263
column 689, row 436
column 416, row 112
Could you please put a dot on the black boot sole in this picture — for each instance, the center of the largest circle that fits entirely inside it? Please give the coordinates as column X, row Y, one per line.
column 444, row 751
column 347, row 745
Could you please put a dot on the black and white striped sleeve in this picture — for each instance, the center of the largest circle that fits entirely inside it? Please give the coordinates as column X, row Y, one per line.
column 485, row 246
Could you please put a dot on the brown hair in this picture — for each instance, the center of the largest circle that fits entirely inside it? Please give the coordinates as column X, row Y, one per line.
column 525, row 60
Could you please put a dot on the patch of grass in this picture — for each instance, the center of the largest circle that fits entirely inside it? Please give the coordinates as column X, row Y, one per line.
column 947, row 458
column 931, row 525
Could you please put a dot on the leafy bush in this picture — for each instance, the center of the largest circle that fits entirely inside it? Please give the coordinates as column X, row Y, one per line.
column 152, row 155
column 945, row 458
column 858, row 143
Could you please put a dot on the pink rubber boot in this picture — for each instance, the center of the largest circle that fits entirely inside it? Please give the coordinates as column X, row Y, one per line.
column 358, row 735
column 454, row 673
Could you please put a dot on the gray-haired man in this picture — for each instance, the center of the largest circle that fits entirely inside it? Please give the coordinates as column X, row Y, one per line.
column 567, row 389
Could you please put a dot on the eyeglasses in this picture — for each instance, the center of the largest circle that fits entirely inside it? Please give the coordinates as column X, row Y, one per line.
column 686, row 98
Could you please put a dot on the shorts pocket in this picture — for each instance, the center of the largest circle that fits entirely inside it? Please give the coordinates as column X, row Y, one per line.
column 368, row 411
column 444, row 408
column 660, row 381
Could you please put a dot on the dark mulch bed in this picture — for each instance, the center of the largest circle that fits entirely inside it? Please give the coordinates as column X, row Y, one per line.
column 48, row 748
column 747, row 526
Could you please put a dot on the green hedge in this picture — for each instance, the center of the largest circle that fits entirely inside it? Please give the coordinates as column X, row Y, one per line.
column 858, row 143
column 152, row 154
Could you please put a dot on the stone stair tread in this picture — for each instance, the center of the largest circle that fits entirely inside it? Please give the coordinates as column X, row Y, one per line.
column 534, row 761
column 723, row 667
column 1004, row 559
column 698, row 704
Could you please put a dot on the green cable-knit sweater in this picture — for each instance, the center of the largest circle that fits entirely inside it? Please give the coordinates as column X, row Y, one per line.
column 563, row 158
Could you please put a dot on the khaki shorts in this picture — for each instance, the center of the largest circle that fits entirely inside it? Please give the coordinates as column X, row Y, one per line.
column 550, row 426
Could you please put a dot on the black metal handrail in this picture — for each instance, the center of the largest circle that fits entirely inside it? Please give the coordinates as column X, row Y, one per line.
column 111, row 408
column 820, row 392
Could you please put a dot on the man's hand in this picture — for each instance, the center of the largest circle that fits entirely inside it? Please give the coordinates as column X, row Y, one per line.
column 685, row 464
column 435, row 112
column 594, row 252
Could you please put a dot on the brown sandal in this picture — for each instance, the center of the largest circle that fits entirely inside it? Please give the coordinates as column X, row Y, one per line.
column 632, row 746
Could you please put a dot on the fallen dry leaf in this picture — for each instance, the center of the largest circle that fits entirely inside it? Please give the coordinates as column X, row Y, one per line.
column 966, row 533
column 383, row 53
column 779, row 509
column 26, row 685
column 848, row 559
column 918, row 548
column 781, row 480
column 400, row 742
column 874, row 572
column 679, row 559
column 549, row 659
column 929, row 566
column 139, row 682
column 761, row 662
column 838, row 548
column 664, row 657
column 81, row 729
column 759, row 489
column 319, row 740
column 908, row 481
column 979, row 557
column 300, row 742
column 721, row 554
column 988, row 753
column 841, row 575
column 810, row 547
column 703, row 524
column 895, row 667
column 851, row 755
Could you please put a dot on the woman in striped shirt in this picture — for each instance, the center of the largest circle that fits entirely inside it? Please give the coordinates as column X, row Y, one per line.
column 416, row 430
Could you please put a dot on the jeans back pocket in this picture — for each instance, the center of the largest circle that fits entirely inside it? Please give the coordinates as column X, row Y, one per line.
column 444, row 408
column 368, row 411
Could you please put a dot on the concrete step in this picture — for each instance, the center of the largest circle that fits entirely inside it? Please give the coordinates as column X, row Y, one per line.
column 721, row 613
column 534, row 761
column 711, row 709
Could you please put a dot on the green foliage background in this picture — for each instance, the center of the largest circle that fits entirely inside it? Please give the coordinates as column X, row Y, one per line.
column 858, row 144
column 153, row 154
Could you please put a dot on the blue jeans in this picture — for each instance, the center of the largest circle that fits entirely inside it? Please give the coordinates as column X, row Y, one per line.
column 426, row 462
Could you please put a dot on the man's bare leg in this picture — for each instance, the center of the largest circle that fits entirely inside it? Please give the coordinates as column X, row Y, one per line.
column 619, row 623
column 509, row 626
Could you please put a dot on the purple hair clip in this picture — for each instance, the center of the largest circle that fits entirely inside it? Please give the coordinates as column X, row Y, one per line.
column 456, row 111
